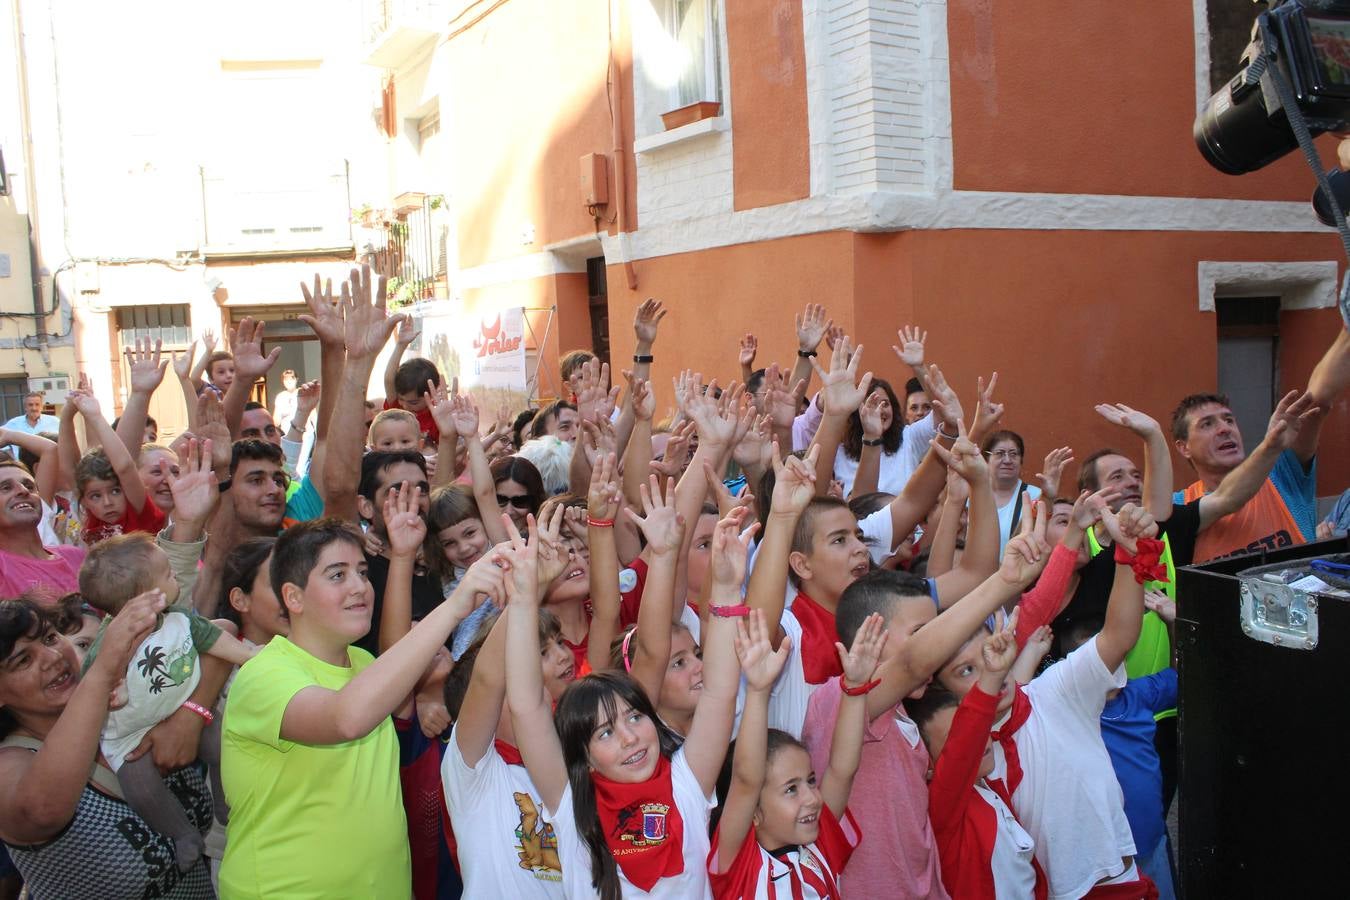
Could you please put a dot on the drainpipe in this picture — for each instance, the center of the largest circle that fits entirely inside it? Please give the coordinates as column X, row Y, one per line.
column 620, row 161
column 30, row 188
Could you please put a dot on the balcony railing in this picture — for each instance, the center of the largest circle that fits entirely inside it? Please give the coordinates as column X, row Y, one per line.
column 413, row 253
column 396, row 30
column 267, row 210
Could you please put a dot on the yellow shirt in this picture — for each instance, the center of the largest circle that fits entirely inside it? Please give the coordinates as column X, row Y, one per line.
column 307, row 821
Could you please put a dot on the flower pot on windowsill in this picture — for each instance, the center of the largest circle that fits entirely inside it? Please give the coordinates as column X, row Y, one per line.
column 694, row 112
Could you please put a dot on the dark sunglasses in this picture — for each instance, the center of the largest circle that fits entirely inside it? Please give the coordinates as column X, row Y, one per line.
column 523, row 501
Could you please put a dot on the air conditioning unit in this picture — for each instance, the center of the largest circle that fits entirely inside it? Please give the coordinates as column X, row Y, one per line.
column 54, row 387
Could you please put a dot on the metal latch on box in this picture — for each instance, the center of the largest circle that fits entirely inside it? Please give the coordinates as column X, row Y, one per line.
column 1278, row 613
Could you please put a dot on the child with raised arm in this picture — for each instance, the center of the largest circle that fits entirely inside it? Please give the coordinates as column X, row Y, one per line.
column 107, row 480
column 310, row 756
column 405, row 383
column 487, row 790
column 629, row 802
column 777, row 822
column 985, row 852
column 1050, row 754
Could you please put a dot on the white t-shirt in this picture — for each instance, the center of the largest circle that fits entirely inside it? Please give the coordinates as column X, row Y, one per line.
column 694, row 807
column 1014, row 878
column 1069, row 800
column 162, row 674
column 493, row 807
column 895, row 469
column 791, row 692
column 1005, row 514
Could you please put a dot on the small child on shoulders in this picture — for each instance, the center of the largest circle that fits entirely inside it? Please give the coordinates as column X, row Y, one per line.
column 405, row 383
column 160, row 679
column 107, row 479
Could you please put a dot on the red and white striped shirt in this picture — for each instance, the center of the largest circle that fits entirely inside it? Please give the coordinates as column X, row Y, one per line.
column 810, row 872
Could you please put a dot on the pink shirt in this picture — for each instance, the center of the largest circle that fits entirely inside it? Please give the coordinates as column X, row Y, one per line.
column 47, row 579
column 897, row 856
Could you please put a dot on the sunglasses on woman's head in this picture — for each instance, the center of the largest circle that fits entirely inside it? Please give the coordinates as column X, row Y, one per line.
column 523, row 501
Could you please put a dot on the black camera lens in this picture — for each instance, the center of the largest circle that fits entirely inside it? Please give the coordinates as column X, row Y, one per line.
column 1340, row 186
column 1239, row 136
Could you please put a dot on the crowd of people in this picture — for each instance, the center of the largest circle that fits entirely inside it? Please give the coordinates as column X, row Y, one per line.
column 777, row 631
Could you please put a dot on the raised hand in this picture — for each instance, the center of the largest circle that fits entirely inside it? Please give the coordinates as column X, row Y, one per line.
column 794, row 481
column 647, row 319
column 366, row 324
column 465, row 415
column 660, row 523
column 860, row 662
column 325, row 313
column 406, row 333
column 404, row 526
column 307, row 397
column 211, row 427
column 442, row 406
column 1138, row 422
column 486, row 579
column 1040, row 641
column 1129, row 525
column 1087, row 509
column 870, row 414
column 944, row 399
column 1290, row 414
column 987, row 412
column 83, row 399
column 709, row 415
column 1000, row 649
column 833, row 335
column 958, row 489
column 195, row 489
column 811, row 326
column 726, row 501
column 595, row 399
column 146, row 366
column 598, row 438
column 911, row 346
column 602, row 500
column 1157, row 601
column 642, row 396
column 755, row 449
column 1028, row 552
column 182, row 361
column 1052, row 470
column 553, row 553
column 760, row 663
column 749, row 346
column 964, row 458
column 730, row 550
column 676, row 456
column 781, row 400
column 840, row 389
column 246, row 344
column 685, row 384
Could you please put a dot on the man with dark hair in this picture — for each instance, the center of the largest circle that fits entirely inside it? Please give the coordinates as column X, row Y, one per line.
column 25, row 564
column 380, row 472
column 257, row 487
column 1282, row 511
column 559, row 419
column 256, row 423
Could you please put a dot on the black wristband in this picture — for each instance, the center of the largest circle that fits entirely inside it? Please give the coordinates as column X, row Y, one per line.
column 875, row 442
column 643, row 358
column 806, row 354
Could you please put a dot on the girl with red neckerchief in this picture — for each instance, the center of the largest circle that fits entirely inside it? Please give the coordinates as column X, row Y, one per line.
column 629, row 801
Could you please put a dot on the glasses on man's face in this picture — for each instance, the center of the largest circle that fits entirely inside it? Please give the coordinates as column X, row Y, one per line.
column 1009, row 455
column 521, row 502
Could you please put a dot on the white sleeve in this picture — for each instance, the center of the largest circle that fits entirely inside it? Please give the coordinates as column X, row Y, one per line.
column 878, row 531
column 915, row 442
column 790, row 693
column 1079, row 682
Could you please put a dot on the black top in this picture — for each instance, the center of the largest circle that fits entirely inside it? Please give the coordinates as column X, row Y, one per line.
column 426, row 596
column 1095, row 579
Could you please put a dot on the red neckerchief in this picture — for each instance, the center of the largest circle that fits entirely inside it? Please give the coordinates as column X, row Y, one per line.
column 1021, row 711
column 642, row 826
column 820, row 662
column 510, row 755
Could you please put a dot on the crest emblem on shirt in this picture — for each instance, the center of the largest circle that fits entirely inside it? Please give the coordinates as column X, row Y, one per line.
column 654, row 822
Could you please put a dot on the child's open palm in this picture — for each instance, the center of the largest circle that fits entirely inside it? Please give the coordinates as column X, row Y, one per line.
column 660, row 523
column 1000, row 649
column 403, row 520
column 861, row 661
column 602, row 500
column 795, row 480
column 760, row 663
column 730, row 549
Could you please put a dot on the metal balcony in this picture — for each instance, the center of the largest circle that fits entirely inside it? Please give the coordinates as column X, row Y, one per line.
column 275, row 212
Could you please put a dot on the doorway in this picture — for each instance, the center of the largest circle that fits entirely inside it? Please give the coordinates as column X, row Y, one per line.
column 1249, row 360
column 597, row 290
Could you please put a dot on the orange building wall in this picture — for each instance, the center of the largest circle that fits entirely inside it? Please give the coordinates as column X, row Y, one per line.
column 532, row 74
column 771, row 149
column 1060, row 97
column 1067, row 319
